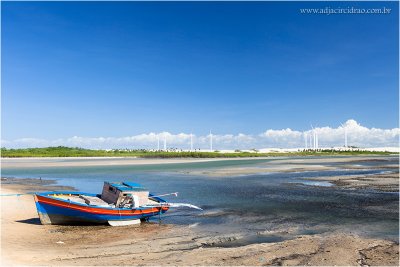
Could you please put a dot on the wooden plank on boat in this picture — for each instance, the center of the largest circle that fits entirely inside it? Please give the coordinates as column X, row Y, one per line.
column 76, row 199
column 94, row 201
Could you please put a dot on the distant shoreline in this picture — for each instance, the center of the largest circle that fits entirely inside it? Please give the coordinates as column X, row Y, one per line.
column 95, row 161
column 70, row 152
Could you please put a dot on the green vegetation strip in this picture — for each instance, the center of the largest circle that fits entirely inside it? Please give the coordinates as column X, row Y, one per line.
column 81, row 152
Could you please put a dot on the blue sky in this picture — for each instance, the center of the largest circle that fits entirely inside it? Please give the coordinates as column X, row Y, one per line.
column 126, row 68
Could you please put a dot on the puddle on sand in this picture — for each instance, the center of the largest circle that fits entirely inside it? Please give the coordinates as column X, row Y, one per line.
column 314, row 183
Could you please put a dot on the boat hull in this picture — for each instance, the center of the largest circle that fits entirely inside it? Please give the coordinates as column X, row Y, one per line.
column 57, row 211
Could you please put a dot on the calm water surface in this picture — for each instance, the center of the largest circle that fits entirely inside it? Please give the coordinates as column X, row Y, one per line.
column 263, row 207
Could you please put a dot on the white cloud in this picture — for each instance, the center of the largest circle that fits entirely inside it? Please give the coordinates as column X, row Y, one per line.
column 358, row 135
column 282, row 138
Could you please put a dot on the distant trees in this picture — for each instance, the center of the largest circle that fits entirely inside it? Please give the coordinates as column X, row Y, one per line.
column 61, row 151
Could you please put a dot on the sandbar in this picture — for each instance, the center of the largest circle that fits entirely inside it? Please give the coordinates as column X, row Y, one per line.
column 26, row 242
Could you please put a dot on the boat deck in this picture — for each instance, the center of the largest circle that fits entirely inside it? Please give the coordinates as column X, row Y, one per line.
column 83, row 199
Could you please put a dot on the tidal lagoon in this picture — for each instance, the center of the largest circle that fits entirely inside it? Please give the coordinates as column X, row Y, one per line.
column 252, row 201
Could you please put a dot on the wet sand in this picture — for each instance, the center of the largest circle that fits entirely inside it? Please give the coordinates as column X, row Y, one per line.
column 297, row 165
column 273, row 164
column 98, row 161
column 26, row 242
column 385, row 182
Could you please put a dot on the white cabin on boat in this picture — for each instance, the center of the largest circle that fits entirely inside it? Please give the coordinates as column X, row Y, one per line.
column 125, row 194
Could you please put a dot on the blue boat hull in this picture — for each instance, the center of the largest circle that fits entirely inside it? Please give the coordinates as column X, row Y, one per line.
column 55, row 211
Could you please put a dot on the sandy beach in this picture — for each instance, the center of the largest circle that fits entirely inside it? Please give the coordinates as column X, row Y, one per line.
column 26, row 242
column 274, row 163
column 383, row 182
column 97, row 161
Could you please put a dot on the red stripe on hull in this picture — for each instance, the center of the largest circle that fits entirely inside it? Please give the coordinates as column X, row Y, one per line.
column 97, row 210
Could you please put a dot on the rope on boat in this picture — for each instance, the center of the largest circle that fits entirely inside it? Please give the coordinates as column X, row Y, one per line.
column 175, row 193
column 159, row 215
column 173, row 205
column 16, row 195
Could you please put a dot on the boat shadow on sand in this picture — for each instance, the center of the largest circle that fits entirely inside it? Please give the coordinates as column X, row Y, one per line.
column 35, row 221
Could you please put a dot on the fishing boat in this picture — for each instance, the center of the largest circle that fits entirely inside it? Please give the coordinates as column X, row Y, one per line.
column 122, row 203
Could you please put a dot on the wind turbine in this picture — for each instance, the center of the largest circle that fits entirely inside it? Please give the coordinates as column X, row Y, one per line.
column 211, row 141
column 305, row 140
column 345, row 135
column 315, row 137
column 158, row 142
column 191, row 142
column 165, row 141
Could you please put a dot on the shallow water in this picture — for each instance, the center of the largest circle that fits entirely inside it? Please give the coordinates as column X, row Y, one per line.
column 262, row 207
